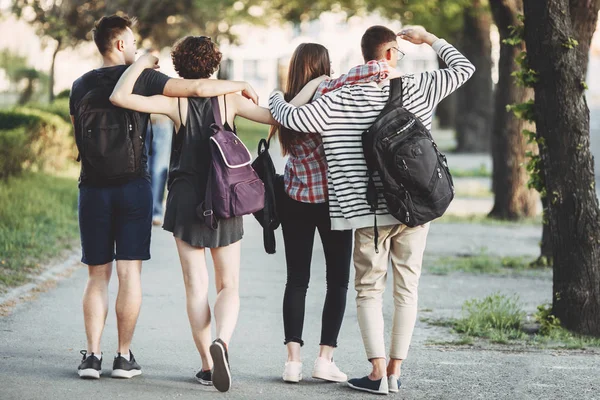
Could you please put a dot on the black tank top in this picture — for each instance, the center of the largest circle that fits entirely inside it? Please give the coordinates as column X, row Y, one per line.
column 190, row 155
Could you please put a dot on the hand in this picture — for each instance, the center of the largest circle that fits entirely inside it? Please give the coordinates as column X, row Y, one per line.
column 148, row 61
column 250, row 93
column 417, row 35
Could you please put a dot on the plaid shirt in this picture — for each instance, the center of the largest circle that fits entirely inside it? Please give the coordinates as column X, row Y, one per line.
column 305, row 173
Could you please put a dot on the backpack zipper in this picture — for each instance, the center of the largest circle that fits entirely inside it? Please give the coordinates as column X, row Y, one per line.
column 393, row 135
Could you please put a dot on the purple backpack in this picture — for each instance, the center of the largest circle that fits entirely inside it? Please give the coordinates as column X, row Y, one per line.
column 233, row 188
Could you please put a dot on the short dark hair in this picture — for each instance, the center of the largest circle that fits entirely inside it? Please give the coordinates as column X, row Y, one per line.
column 373, row 40
column 195, row 57
column 106, row 29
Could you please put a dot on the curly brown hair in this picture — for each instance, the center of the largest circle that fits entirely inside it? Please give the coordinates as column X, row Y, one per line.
column 195, row 57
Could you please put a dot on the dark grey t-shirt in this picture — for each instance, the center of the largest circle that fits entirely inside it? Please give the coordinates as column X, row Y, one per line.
column 149, row 83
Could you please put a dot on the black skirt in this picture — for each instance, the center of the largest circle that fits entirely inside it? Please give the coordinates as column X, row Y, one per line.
column 182, row 221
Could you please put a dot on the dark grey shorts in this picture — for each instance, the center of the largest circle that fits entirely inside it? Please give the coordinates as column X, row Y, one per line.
column 182, row 221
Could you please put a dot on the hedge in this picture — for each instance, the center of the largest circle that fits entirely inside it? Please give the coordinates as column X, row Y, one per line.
column 32, row 139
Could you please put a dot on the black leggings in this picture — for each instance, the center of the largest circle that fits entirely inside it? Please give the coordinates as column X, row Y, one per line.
column 298, row 221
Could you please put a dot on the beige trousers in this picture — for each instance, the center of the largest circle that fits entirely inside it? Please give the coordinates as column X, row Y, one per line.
column 405, row 247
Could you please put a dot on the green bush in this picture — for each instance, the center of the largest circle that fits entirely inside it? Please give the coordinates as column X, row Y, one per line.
column 34, row 139
column 59, row 107
column 13, row 151
column 64, row 94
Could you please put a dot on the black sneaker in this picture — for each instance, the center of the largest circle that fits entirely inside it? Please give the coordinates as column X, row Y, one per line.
column 379, row 386
column 90, row 367
column 125, row 369
column 221, row 376
column 204, row 377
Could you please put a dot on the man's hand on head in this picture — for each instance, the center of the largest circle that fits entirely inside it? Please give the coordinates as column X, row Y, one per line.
column 148, row 61
column 417, row 35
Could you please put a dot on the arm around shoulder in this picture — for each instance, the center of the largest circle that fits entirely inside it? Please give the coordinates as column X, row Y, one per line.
column 207, row 88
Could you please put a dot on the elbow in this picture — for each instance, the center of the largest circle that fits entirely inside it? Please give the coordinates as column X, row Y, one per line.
column 116, row 99
column 472, row 70
column 199, row 89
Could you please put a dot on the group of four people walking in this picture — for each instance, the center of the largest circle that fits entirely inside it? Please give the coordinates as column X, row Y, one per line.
column 319, row 122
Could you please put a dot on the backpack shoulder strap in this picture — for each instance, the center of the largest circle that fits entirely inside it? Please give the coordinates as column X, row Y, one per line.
column 395, row 91
column 216, row 111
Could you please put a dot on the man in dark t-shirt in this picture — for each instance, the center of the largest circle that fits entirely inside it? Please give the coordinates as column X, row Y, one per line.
column 115, row 221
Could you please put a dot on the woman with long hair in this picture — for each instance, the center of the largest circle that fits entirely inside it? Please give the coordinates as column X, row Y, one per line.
column 198, row 57
column 305, row 209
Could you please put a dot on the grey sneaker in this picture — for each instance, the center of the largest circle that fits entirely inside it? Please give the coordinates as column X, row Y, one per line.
column 124, row 369
column 90, row 367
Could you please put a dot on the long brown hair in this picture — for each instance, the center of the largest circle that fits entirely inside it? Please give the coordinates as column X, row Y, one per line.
column 309, row 61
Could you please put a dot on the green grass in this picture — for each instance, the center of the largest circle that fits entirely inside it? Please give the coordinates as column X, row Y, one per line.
column 482, row 263
column 464, row 341
column 38, row 215
column 251, row 132
column 498, row 318
column 473, row 193
column 481, row 172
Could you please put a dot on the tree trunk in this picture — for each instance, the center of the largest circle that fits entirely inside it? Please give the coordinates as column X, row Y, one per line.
column 546, row 245
column 512, row 198
column 474, row 106
column 446, row 110
column 562, row 119
column 51, row 80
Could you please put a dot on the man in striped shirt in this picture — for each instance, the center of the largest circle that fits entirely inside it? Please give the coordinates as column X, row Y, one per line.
column 341, row 117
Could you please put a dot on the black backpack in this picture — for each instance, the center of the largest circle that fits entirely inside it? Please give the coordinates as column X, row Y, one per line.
column 110, row 139
column 417, row 185
column 268, row 217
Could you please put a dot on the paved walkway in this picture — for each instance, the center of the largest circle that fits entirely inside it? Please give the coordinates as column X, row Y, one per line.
column 40, row 340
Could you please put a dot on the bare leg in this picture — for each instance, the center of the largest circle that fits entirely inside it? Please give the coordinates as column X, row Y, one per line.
column 393, row 367
column 195, row 278
column 378, row 369
column 95, row 304
column 293, row 349
column 227, row 276
column 129, row 301
column 326, row 352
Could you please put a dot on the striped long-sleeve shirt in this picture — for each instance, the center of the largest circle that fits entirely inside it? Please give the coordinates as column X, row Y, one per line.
column 343, row 115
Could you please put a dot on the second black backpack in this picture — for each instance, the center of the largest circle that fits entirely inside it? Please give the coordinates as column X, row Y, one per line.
column 110, row 139
column 417, row 185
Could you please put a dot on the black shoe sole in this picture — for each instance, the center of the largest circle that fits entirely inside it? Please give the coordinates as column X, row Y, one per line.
column 221, row 376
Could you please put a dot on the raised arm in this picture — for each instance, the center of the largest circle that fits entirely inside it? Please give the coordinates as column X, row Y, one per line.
column 122, row 95
column 439, row 83
column 208, row 88
column 312, row 117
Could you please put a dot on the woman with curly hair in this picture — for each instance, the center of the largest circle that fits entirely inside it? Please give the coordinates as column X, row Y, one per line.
column 198, row 57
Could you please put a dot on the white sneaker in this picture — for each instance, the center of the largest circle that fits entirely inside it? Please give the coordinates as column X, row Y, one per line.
column 292, row 371
column 393, row 383
column 328, row 371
